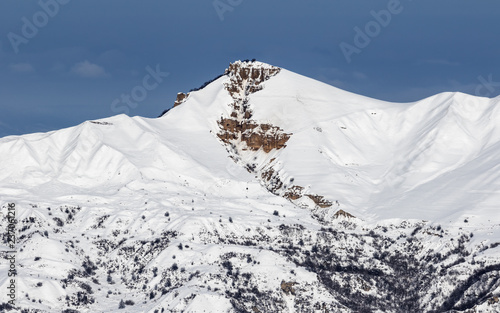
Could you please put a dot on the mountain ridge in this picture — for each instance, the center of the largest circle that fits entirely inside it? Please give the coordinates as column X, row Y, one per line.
column 264, row 191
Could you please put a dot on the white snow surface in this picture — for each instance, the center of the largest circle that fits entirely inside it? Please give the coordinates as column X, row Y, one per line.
column 436, row 160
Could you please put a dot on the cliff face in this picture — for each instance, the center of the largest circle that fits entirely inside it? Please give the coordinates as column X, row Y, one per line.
column 239, row 129
column 255, row 136
column 181, row 98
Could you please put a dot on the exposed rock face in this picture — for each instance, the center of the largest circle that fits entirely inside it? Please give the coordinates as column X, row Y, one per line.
column 342, row 213
column 320, row 201
column 248, row 79
column 294, row 193
column 239, row 128
column 287, row 287
column 255, row 136
column 181, row 98
column 272, row 180
column 493, row 300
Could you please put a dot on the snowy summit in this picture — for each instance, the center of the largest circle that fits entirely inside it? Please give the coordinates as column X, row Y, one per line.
column 263, row 191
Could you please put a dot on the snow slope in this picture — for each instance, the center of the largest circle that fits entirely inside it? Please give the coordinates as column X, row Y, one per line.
column 166, row 214
column 434, row 159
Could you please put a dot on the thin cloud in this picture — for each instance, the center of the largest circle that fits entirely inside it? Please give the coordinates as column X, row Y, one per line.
column 22, row 68
column 88, row 70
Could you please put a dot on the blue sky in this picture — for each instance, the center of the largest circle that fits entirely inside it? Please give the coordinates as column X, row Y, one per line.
column 66, row 61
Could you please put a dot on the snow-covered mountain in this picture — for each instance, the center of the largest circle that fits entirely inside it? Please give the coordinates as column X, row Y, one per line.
column 264, row 191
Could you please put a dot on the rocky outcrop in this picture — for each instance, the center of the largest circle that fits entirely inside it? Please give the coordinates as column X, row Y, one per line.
column 247, row 78
column 287, row 287
column 272, row 180
column 239, row 129
column 320, row 201
column 294, row 193
column 255, row 136
column 493, row 300
column 181, row 98
column 342, row 213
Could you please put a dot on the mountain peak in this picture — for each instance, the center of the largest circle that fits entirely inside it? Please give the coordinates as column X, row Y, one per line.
column 263, row 191
column 240, row 71
column 247, row 64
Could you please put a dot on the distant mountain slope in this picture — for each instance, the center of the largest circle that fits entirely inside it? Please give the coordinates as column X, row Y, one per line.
column 264, row 191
